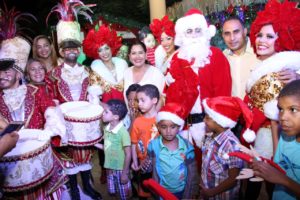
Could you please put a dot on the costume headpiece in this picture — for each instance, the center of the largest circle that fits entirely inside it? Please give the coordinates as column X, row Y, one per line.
column 284, row 17
column 68, row 29
column 164, row 25
column 14, row 50
column 226, row 111
column 173, row 112
column 95, row 39
column 192, row 19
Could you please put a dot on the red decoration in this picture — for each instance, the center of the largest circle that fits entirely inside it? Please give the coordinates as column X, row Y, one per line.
column 95, row 39
column 164, row 25
column 284, row 17
column 159, row 190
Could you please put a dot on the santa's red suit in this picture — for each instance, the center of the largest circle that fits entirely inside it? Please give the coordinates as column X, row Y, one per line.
column 191, row 86
column 33, row 103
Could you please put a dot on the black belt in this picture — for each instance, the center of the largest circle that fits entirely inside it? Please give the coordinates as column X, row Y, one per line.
column 195, row 118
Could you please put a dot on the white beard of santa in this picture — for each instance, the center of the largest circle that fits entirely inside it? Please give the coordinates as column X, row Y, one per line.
column 196, row 50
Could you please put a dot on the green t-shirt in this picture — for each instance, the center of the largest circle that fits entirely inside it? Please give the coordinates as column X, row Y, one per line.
column 115, row 141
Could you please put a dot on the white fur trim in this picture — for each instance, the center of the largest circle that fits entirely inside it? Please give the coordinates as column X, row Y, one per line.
column 99, row 67
column 95, row 90
column 225, row 156
column 160, row 55
column 277, row 62
column 170, row 116
column 271, row 110
column 249, row 135
column 223, row 121
column 212, row 30
column 190, row 21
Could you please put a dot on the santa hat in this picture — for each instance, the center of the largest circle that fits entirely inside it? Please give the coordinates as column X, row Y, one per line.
column 226, row 111
column 173, row 112
column 192, row 19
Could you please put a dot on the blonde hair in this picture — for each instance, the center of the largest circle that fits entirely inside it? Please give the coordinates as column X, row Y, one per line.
column 53, row 51
column 29, row 62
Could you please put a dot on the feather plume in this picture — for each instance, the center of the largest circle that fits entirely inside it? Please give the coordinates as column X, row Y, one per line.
column 9, row 23
column 68, row 10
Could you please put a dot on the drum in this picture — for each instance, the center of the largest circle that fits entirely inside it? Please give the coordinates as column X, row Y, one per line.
column 82, row 122
column 29, row 164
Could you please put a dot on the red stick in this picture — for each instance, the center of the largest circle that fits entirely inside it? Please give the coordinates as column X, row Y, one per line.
column 158, row 189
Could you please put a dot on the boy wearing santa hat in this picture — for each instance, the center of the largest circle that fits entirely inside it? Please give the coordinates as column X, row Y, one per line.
column 173, row 157
column 218, row 175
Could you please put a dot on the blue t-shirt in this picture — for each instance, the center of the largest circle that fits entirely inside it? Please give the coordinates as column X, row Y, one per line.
column 171, row 165
column 287, row 156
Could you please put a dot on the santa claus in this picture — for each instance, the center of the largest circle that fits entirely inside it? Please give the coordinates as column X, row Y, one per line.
column 197, row 71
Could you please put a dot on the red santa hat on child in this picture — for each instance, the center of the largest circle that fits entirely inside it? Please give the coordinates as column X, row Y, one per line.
column 192, row 19
column 173, row 112
column 226, row 111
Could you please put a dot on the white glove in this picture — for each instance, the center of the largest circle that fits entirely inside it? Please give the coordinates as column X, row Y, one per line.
column 94, row 93
column 169, row 79
column 55, row 123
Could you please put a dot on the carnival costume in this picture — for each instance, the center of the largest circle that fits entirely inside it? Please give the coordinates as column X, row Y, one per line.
column 31, row 105
column 165, row 25
column 263, row 85
column 70, row 84
column 189, row 84
column 105, row 83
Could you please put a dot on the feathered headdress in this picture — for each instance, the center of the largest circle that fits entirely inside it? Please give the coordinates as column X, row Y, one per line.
column 164, row 25
column 69, row 10
column 284, row 17
column 15, row 49
column 95, row 39
column 68, row 29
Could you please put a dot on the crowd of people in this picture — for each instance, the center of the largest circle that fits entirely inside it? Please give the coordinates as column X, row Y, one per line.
column 172, row 114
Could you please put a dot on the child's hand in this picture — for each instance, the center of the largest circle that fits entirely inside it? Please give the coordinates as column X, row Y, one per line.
column 206, row 192
column 135, row 167
column 124, row 177
column 267, row 172
column 146, row 165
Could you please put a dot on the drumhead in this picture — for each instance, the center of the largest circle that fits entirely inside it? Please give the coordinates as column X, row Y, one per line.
column 81, row 110
column 27, row 142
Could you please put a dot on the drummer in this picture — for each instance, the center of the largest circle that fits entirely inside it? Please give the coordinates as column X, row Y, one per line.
column 19, row 102
column 70, row 81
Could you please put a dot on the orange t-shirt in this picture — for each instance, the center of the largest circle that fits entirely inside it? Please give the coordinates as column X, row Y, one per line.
column 142, row 132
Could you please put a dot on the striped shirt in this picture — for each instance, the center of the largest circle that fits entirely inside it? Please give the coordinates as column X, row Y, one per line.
column 215, row 168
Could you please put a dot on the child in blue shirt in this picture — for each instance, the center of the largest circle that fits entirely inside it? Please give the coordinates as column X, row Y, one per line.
column 173, row 157
column 288, row 149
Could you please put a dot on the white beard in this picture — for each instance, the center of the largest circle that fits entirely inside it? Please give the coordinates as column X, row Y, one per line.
column 197, row 49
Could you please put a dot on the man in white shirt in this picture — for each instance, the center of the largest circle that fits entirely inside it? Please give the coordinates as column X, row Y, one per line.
column 239, row 53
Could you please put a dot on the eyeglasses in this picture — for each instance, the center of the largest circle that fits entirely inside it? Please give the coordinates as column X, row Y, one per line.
column 191, row 32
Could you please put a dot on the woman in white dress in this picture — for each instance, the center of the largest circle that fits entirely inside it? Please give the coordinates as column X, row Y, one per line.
column 141, row 72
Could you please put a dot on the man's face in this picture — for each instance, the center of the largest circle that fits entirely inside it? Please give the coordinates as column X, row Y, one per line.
column 9, row 78
column 234, row 35
column 71, row 54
